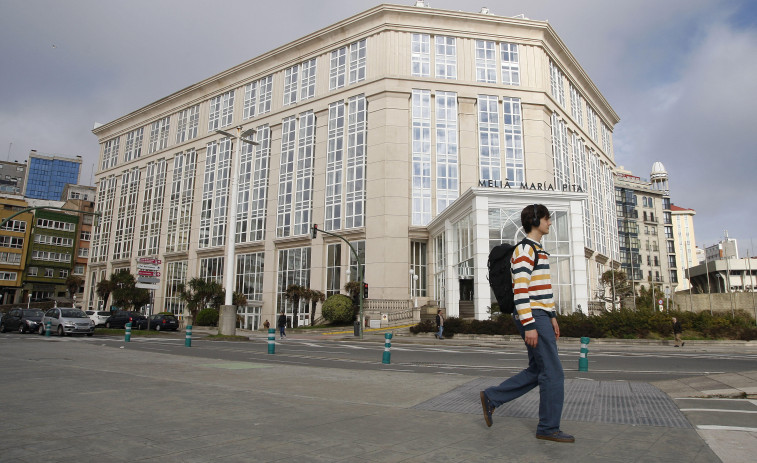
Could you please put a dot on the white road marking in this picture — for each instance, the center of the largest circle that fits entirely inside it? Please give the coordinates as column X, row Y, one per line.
column 713, row 427
column 719, row 410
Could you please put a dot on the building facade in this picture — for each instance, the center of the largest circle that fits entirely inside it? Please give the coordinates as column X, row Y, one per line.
column 12, row 177
column 685, row 243
column 50, row 255
column 372, row 128
column 642, row 231
column 46, row 176
column 14, row 245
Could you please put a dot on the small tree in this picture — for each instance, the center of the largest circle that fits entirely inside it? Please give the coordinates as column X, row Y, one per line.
column 294, row 294
column 315, row 297
column 617, row 283
column 353, row 289
column 126, row 295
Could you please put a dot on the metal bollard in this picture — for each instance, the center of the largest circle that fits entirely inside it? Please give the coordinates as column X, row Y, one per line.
column 583, row 359
column 47, row 328
column 271, row 340
column 188, row 339
column 387, row 348
column 127, row 333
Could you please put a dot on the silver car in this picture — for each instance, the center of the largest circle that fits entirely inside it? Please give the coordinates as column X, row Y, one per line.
column 66, row 321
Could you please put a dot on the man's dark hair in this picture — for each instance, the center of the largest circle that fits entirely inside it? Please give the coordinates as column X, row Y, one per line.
column 527, row 215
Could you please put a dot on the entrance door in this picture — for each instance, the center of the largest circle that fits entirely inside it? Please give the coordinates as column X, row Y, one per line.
column 466, row 289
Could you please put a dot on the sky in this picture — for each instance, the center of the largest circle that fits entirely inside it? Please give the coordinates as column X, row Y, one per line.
column 681, row 74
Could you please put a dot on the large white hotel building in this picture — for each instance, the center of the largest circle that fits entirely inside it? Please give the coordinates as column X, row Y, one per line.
column 418, row 134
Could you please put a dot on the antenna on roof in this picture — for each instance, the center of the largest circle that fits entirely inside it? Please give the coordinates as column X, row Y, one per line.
column 421, row 3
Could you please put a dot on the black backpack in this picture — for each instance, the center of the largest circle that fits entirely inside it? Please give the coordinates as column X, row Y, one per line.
column 500, row 277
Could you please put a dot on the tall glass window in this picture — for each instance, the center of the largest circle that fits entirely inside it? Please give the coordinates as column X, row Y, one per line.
column 338, row 69
column 360, row 249
column 334, row 166
column 557, row 83
column 159, row 135
column 440, row 270
column 291, row 81
column 419, row 265
column 293, row 269
column 333, row 269
column 354, row 203
column 286, row 177
column 152, row 208
column 591, row 118
column 250, row 276
column 486, row 62
column 446, row 57
column 257, row 97
column 488, row 138
column 133, row 148
column 215, row 194
column 510, row 63
column 303, row 199
column 180, row 203
column 221, row 111
column 447, row 168
column 187, row 122
column 513, row 132
column 357, row 61
column 127, row 214
column 560, row 152
column 106, row 193
column 176, row 276
column 420, row 55
column 110, row 153
column 576, row 106
column 253, row 187
column 211, row 269
column 307, row 79
column 421, row 156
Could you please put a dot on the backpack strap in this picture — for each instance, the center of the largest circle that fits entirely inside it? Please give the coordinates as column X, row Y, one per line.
column 536, row 251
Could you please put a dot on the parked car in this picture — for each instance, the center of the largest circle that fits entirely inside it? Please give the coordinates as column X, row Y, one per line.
column 98, row 316
column 120, row 318
column 22, row 320
column 160, row 322
column 65, row 321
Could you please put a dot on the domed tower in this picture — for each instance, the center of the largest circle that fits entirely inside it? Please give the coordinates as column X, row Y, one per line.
column 659, row 177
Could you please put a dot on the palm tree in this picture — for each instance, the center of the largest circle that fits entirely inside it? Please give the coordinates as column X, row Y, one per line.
column 103, row 290
column 199, row 294
column 73, row 283
column 293, row 294
column 315, row 297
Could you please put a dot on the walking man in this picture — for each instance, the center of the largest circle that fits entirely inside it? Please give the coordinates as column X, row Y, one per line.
column 677, row 330
column 534, row 317
column 282, row 322
column 439, row 323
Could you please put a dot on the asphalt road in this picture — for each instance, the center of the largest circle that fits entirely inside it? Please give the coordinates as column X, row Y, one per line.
column 636, row 363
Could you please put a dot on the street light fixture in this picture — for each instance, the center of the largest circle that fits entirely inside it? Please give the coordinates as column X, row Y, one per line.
column 232, row 209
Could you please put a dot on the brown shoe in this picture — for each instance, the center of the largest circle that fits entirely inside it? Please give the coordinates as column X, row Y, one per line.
column 488, row 408
column 557, row 436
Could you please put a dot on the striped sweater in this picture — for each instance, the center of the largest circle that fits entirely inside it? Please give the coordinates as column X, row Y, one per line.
column 532, row 287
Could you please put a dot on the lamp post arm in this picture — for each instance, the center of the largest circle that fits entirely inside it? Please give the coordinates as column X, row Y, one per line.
column 359, row 271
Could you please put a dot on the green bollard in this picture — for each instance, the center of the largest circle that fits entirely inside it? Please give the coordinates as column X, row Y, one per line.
column 127, row 333
column 271, row 340
column 188, row 339
column 387, row 348
column 583, row 359
column 47, row 328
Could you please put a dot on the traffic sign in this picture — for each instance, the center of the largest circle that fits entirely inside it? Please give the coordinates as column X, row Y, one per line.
column 148, row 273
column 148, row 267
column 149, row 260
column 148, row 280
column 146, row 286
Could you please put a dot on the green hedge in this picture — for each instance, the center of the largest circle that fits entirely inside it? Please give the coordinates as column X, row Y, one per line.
column 207, row 317
column 338, row 309
column 622, row 324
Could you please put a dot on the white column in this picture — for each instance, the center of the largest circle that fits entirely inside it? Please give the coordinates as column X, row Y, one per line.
column 481, row 291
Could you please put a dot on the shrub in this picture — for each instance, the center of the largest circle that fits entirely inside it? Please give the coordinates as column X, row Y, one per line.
column 207, row 317
column 338, row 309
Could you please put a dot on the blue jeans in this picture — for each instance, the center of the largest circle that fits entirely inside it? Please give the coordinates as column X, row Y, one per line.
column 282, row 333
column 441, row 330
column 544, row 369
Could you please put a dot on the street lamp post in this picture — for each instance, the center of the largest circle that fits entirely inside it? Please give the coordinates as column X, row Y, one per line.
column 228, row 274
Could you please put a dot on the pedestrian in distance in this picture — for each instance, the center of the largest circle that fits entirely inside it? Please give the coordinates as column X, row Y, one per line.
column 677, row 330
column 266, row 325
column 439, row 324
column 282, row 325
column 535, row 318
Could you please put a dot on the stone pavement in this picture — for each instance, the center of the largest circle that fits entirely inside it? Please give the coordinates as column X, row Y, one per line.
column 73, row 399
